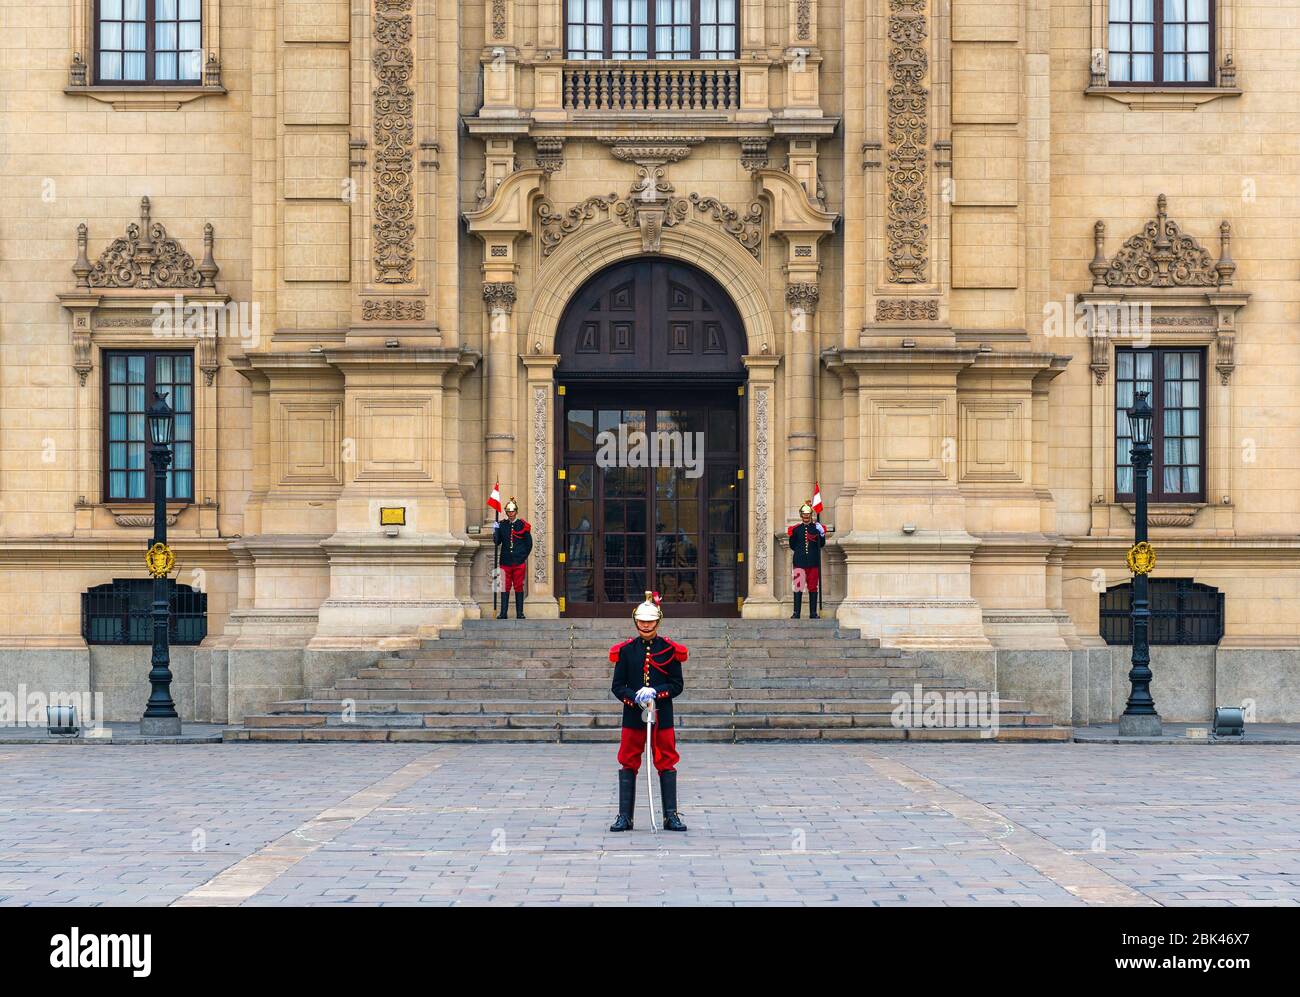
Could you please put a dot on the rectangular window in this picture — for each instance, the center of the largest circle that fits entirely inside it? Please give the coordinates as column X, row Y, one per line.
column 130, row 380
column 1167, row 42
column 148, row 41
column 1173, row 380
column 651, row 29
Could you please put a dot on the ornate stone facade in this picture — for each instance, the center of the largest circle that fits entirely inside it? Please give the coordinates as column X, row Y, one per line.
column 896, row 200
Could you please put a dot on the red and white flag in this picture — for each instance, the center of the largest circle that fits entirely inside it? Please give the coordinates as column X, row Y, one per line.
column 494, row 500
column 817, row 498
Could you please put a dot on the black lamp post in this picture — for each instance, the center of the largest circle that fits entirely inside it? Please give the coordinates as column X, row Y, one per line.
column 160, row 715
column 1140, row 718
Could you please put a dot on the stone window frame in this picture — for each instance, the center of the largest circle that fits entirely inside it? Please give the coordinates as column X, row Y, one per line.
column 126, row 96
column 1165, row 96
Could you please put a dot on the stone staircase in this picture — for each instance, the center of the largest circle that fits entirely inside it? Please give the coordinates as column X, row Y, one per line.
column 548, row 680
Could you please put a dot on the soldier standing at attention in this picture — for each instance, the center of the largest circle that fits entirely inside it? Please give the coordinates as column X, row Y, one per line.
column 515, row 538
column 647, row 669
column 806, row 542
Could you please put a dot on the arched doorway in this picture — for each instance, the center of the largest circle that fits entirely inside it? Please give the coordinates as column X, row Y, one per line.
column 651, row 435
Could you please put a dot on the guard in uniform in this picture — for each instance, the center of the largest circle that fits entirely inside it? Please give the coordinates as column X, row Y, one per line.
column 806, row 542
column 515, row 538
column 647, row 668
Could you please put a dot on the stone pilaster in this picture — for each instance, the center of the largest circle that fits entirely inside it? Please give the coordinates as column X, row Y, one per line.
column 539, row 506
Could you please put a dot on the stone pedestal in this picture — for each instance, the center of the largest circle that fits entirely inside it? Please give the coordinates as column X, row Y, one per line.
column 1140, row 726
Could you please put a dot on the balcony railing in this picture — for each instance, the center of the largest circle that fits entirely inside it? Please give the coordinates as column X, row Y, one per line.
column 634, row 87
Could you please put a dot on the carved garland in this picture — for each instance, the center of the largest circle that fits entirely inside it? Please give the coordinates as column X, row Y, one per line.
column 394, row 100
column 498, row 18
column 746, row 229
column 907, row 231
column 907, row 309
column 540, row 481
column 803, row 20
column 762, row 530
column 1162, row 256
column 391, row 310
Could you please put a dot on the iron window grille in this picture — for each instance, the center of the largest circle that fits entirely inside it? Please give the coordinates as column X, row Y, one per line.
column 1182, row 612
column 118, row 612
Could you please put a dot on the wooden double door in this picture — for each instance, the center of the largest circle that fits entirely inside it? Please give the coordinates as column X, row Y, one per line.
column 652, row 498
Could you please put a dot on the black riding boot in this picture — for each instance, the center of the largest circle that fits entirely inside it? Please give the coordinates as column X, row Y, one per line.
column 505, row 601
column 798, row 605
column 812, row 606
column 626, row 800
column 519, row 606
column 668, row 792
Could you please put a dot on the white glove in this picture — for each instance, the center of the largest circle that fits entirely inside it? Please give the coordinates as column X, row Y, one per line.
column 820, row 529
column 645, row 695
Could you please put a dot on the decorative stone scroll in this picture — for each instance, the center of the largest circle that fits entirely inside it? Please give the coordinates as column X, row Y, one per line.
column 762, row 480
column 145, row 258
column 541, row 479
column 394, row 131
column 907, row 115
column 907, row 309
column 1161, row 256
column 746, row 229
column 554, row 226
column 391, row 310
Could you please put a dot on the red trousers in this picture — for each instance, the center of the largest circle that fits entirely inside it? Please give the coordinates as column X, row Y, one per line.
column 806, row 579
column 512, row 577
column 664, row 743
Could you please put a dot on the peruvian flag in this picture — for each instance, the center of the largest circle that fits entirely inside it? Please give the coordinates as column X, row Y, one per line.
column 494, row 500
column 817, row 498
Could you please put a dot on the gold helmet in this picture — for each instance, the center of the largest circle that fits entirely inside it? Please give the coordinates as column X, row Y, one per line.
column 512, row 505
column 649, row 611
column 806, row 509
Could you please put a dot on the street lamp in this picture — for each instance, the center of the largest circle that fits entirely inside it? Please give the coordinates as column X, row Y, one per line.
column 1140, row 718
column 160, row 717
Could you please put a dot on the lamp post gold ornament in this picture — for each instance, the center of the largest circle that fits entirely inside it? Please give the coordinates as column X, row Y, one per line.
column 160, row 560
column 1141, row 558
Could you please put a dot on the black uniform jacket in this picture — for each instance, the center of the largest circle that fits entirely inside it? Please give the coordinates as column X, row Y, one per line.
column 515, row 540
column 806, row 543
column 657, row 663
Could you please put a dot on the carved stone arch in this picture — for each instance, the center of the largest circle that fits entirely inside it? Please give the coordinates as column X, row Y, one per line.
column 585, row 253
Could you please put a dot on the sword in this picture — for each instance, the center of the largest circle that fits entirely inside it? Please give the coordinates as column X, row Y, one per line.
column 648, row 715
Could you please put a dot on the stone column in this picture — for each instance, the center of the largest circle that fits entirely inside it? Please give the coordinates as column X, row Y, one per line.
column 760, row 602
column 537, row 501
column 501, row 420
column 801, row 422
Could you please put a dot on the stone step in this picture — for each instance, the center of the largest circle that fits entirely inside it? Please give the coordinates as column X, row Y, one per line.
column 539, row 668
column 526, row 691
column 598, row 704
column 491, row 734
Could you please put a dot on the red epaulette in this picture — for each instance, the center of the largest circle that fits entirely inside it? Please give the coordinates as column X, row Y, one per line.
column 679, row 650
column 617, row 648
column 525, row 527
column 789, row 531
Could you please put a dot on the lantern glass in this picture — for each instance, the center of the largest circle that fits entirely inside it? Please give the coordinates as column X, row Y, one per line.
column 1139, row 420
column 162, row 421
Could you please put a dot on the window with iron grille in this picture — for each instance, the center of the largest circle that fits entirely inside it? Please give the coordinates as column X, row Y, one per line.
column 651, row 29
column 1182, row 612
column 130, row 380
column 144, row 42
column 118, row 612
column 1173, row 380
column 1165, row 42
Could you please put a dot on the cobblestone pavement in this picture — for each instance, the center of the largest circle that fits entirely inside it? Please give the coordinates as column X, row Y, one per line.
column 770, row 824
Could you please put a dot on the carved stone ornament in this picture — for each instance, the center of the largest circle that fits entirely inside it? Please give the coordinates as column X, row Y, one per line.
column 753, row 153
column 554, row 226
column 499, row 296
column 762, row 478
column 145, row 258
column 802, row 297
column 907, row 131
column 498, row 19
column 391, row 310
column 907, row 309
column 746, row 229
column 550, row 153
column 650, row 205
column 394, row 131
column 541, row 480
column 803, row 20
column 1161, row 256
